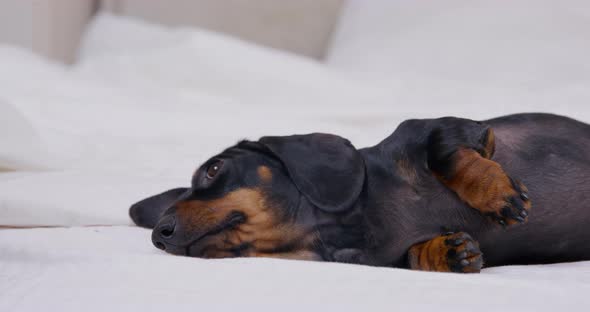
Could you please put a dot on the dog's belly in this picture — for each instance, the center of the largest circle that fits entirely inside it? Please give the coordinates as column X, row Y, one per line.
column 553, row 161
column 558, row 228
column 552, row 158
column 550, row 155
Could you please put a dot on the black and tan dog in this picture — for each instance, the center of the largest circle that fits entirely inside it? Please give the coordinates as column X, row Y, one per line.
column 436, row 195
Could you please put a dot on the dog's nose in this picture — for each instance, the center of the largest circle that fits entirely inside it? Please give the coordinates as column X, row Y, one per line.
column 166, row 230
column 163, row 232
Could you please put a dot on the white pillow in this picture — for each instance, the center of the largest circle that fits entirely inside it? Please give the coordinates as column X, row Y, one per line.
column 185, row 64
column 20, row 145
column 146, row 57
column 521, row 43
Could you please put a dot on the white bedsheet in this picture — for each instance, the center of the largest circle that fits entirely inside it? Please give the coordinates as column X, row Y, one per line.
column 135, row 118
column 116, row 268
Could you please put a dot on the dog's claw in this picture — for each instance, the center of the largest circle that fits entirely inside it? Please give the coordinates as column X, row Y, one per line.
column 515, row 206
column 463, row 257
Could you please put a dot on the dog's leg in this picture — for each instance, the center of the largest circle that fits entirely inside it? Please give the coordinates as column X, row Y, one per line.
column 456, row 252
column 459, row 153
column 147, row 212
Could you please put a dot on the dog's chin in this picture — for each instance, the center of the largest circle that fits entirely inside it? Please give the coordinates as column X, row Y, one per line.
column 208, row 253
column 177, row 250
column 205, row 247
column 198, row 249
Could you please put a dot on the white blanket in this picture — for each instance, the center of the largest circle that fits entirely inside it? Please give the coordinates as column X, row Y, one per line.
column 146, row 105
column 117, row 268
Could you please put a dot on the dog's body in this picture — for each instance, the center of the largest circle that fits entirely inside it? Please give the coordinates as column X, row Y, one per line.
column 393, row 204
column 549, row 154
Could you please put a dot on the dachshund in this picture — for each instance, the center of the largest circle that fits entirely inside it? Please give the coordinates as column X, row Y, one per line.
column 445, row 195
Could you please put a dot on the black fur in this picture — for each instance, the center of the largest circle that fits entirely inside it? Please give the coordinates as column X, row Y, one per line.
column 450, row 134
column 371, row 209
column 315, row 161
column 147, row 212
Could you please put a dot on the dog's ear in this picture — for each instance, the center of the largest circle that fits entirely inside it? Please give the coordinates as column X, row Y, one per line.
column 147, row 212
column 326, row 168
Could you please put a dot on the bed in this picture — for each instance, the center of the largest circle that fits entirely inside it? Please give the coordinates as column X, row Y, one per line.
column 145, row 104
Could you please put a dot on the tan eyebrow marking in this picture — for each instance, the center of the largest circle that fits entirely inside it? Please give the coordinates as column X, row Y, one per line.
column 264, row 173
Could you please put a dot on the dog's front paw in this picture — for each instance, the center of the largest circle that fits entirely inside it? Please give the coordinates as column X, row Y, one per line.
column 508, row 202
column 453, row 252
column 463, row 254
column 485, row 186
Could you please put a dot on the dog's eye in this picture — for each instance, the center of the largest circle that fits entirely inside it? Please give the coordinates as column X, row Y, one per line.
column 213, row 169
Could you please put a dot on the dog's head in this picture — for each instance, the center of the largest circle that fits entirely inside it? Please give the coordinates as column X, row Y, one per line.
column 278, row 197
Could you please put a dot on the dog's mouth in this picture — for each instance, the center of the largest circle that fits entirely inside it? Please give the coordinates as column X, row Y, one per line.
column 198, row 246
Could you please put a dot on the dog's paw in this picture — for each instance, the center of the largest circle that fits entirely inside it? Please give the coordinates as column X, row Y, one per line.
column 452, row 252
column 485, row 186
column 509, row 201
column 462, row 253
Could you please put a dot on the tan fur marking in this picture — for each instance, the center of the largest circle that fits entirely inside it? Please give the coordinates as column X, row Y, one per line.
column 264, row 173
column 430, row 256
column 481, row 183
column 297, row 255
column 433, row 255
column 490, row 145
column 262, row 229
